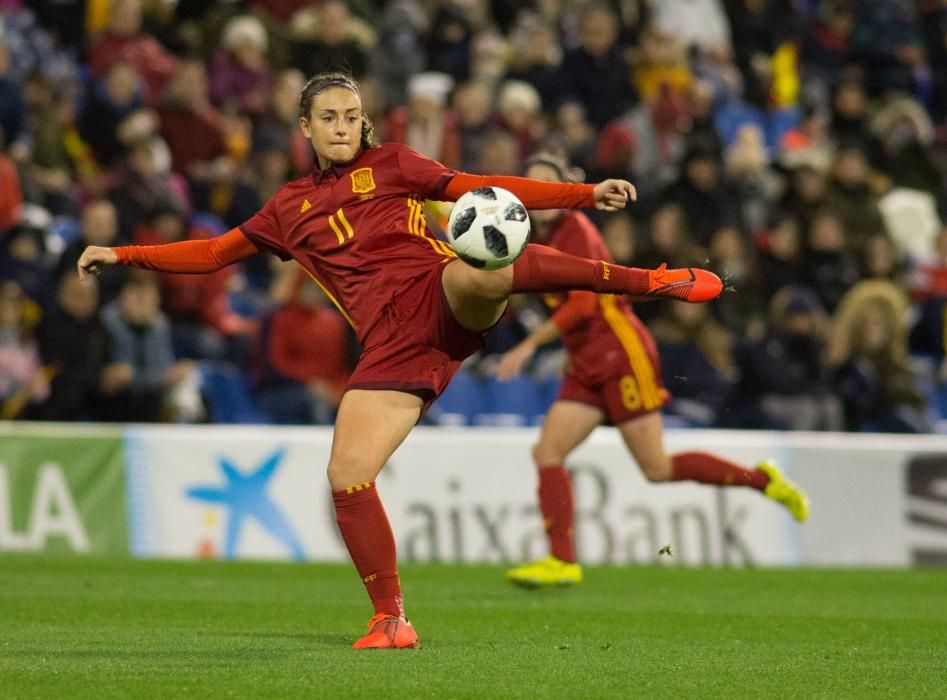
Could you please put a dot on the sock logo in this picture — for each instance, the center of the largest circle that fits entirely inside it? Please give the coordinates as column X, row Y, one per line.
column 605, row 271
column 369, row 578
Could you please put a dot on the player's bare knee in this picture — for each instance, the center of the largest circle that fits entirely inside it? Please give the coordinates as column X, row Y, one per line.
column 345, row 472
column 494, row 285
column 547, row 455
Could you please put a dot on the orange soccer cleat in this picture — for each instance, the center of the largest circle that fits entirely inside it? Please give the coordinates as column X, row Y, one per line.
column 388, row 632
column 687, row 284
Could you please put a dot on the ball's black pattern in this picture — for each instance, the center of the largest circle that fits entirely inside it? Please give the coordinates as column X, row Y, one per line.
column 485, row 192
column 496, row 241
column 515, row 212
column 462, row 222
column 472, row 261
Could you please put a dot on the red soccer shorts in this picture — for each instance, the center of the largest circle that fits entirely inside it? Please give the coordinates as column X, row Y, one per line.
column 418, row 345
column 629, row 386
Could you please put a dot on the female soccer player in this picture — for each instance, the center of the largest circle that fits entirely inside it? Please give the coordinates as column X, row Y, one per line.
column 614, row 378
column 356, row 225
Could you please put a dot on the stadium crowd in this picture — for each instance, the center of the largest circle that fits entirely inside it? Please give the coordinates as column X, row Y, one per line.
column 796, row 147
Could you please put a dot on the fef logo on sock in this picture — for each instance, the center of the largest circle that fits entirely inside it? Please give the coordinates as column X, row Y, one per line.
column 605, row 271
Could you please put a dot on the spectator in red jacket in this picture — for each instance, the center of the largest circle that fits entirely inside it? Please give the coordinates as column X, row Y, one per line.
column 124, row 40
column 306, row 359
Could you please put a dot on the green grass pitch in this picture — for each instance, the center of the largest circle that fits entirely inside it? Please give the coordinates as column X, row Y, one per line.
column 73, row 628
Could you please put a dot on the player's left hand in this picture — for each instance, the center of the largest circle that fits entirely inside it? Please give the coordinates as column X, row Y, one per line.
column 612, row 195
column 512, row 362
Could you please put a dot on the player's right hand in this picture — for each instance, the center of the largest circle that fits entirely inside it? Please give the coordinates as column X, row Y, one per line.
column 94, row 259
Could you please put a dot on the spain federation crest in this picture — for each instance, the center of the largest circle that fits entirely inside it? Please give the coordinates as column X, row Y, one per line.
column 362, row 181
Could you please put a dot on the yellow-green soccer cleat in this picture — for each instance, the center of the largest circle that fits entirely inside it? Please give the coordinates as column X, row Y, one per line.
column 546, row 572
column 784, row 491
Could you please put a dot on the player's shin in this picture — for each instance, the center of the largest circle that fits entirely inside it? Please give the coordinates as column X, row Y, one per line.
column 367, row 534
column 543, row 269
column 556, row 503
column 708, row 468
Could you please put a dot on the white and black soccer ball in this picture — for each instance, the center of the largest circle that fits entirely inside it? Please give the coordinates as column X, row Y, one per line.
column 488, row 227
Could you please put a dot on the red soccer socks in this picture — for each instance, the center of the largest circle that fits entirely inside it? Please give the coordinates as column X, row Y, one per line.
column 543, row 269
column 371, row 544
column 708, row 468
column 557, row 506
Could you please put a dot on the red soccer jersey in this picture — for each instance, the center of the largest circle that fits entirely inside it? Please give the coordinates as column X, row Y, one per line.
column 358, row 229
column 603, row 345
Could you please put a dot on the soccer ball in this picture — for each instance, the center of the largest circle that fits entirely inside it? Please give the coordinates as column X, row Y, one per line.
column 488, row 227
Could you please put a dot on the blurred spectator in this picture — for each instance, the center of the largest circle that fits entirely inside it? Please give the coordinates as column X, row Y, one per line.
column 758, row 27
column 596, row 73
column 240, row 74
column 887, row 39
column 144, row 179
column 30, row 45
column 905, row 136
column 619, row 234
column 498, row 156
column 698, row 23
column 472, row 105
column 805, row 196
column 536, row 59
column 24, row 259
column 306, row 358
column 142, row 373
column 201, row 319
column 125, row 41
column 99, row 227
column 850, row 195
column 73, row 343
column 850, row 114
column 399, row 53
column 669, row 240
column 12, row 109
column 828, row 266
column 661, row 65
column 783, row 380
column 696, row 360
column 426, row 125
column 280, row 122
column 756, row 186
column 113, row 115
column 518, row 109
column 827, row 46
column 51, row 121
column 928, row 287
column 779, row 255
column 869, row 354
column 929, row 278
column 22, row 380
column 731, row 258
column 11, row 197
column 449, row 47
column 708, row 203
column 329, row 44
column 579, row 135
column 880, row 260
column 191, row 126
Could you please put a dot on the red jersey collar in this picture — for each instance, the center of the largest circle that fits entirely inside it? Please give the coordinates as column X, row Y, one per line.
column 338, row 170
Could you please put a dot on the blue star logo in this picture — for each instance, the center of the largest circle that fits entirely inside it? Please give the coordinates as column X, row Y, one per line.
column 245, row 496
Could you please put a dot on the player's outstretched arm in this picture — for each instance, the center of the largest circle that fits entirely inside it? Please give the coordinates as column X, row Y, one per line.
column 184, row 256
column 608, row 195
